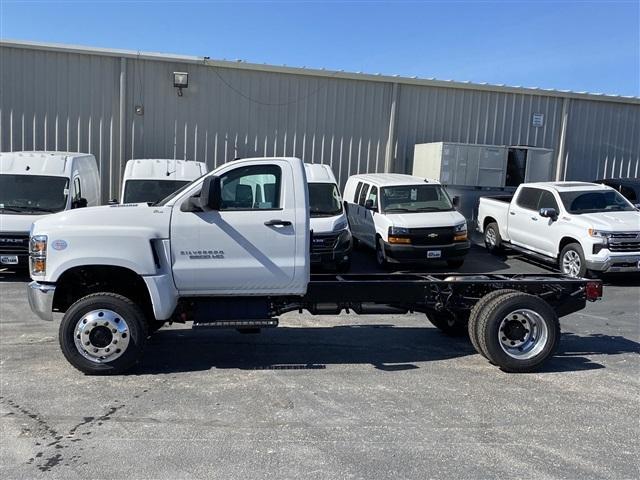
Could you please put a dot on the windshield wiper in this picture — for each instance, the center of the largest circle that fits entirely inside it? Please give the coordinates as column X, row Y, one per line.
column 18, row 208
column 430, row 209
column 387, row 210
column 329, row 214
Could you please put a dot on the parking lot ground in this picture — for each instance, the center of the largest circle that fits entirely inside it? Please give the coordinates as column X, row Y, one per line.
column 371, row 397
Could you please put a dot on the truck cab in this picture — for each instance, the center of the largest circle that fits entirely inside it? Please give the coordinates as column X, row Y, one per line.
column 151, row 180
column 331, row 237
column 34, row 184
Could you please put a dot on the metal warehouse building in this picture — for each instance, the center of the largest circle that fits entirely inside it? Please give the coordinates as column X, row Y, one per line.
column 121, row 104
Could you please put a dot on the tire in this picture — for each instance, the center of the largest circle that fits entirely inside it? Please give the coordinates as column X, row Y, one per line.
column 355, row 242
column 455, row 262
column 381, row 258
column 518, row 332
column 571, row 261
column 125, row 326
column 492, row 238
column 472, row 325
column 448, row 323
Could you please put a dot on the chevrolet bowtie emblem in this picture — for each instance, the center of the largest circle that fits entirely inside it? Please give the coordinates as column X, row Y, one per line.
column 433, row 235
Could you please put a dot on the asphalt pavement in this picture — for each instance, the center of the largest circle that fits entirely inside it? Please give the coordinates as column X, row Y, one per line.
column 362, row 397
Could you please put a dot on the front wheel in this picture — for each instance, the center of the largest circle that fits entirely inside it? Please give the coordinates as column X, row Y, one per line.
column 492, row 239
column 571, row 261
column 103, row 333
column 381, row 258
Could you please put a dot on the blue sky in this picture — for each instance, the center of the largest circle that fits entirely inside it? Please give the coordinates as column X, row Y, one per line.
column 579, row 45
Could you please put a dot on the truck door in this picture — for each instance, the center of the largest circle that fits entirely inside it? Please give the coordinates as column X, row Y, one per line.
column 249, row 245
column 522, row 211
column 546, row 231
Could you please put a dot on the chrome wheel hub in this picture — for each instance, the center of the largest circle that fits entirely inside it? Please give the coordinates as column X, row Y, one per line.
column 523, row 334
column 571, row 263
column 490, row 237
column 101, row 336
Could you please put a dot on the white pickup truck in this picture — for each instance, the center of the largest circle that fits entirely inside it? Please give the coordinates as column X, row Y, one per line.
column 580, row 227
column 221, row 254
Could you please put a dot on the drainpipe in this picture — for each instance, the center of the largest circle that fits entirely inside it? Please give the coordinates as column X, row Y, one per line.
column 561, row 159
column 114, row 185
column 388, row 154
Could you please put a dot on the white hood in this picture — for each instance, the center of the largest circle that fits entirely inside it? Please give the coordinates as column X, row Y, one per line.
column 17, row 223
column 425, row 219
column 327, row 224
column 611, row 221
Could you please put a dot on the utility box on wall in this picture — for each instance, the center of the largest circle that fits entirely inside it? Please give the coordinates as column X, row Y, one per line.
column 482, row 165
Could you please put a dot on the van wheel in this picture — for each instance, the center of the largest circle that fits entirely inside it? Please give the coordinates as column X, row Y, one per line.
column 518, row 331
column 448, row 323
column 571, row 261
column 492, row 239
column 103, row 333
column 381, row 258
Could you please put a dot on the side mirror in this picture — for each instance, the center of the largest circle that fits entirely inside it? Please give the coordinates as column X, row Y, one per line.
column 549, row 213
column 79, row 203
column 369, row 205
column 113, row 201
column 211, row 194
column 456, row 201
column 637, row 205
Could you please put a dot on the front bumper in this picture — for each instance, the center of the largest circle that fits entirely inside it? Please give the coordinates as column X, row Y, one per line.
column 615, row 264
column 417, row 253
column 41, row 299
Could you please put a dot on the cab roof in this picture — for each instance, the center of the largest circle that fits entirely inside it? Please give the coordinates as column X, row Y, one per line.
column 319, row 173
column 163, row 169
column 392, row 179
column 37, row 162
column 569, row 186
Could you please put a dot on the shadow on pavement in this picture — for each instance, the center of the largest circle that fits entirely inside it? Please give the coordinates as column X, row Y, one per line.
column 7, row 275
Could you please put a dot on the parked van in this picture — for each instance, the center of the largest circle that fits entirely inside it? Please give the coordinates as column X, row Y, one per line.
column 405, row 219
column 151, row 179
column 331, row 239
column 33, row 184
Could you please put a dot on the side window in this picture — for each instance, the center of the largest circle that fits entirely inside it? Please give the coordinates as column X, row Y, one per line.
column 357, row 194
column 373, row 195
column 77, row 189
column 363, row 194
column 255, row 187
column 547, row 200
column 528, row 198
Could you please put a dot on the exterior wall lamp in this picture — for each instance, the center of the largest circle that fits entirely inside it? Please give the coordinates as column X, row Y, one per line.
column 180, row 81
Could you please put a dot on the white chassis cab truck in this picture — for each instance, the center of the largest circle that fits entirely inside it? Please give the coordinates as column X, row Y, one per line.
column 580, row 227
column 218, row 254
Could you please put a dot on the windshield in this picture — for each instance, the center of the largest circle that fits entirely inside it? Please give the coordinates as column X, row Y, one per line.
column 324, row 200
column 415, row 198
column 142, row 191
column 589, row 201
column 33, row 194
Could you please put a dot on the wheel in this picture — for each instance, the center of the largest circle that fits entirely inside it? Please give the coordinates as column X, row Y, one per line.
column 571, row 261
column 455, row 262
column 518, row 331
column 381, row 258
column 448, row 323
column 472, row 325
column 103, row 333
column 355, row 242
column 492, row 238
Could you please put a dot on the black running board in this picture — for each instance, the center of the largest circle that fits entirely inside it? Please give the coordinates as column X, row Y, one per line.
column 531, row 253
column 266, row 323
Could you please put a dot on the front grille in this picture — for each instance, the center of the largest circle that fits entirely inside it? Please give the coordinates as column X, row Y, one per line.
column 14, row 243
column 624, row 246
column 431, row 236
column 324, row 243
column 625, row 235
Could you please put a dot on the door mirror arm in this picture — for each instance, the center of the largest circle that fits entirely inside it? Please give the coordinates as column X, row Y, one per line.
column 549, row 213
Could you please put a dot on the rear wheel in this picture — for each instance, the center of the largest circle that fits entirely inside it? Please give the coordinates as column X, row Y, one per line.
column 518, row 332
column 103, row 333
column 571, row 261
column 492, row 239
column 381, row 258
column 474, row 316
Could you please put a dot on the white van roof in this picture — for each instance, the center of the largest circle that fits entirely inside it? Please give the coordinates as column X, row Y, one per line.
column 391, row 179
column 319, row 173
column 157, row 169
column 38, row 162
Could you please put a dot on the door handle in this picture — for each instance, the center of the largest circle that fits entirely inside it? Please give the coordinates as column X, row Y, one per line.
column 277, row 223
column 512, row 213
column 535, row 219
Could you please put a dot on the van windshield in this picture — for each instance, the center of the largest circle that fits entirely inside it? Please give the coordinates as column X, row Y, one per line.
column 415, row 198
column 143, row 191
column 32, row 194
column 324, row 200
column 590, row 201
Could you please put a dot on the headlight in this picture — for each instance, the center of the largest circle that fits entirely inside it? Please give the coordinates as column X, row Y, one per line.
column 599, row 233
column 460, row 232
column 461, row 227
column 398, row 231
column 38, row 254
column 341, row 225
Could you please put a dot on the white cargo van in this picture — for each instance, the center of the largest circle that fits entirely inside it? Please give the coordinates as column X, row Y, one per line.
column 331, row 240
column 405, row 219
column 33, row 184
column 151, row 179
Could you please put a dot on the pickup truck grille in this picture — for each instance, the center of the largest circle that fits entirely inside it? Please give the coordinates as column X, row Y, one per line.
column 431, row 236
column 324, row 243
column 624, row 242
column 14, row 243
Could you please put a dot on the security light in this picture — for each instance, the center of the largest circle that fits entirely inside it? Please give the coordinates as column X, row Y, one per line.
column 180, row 81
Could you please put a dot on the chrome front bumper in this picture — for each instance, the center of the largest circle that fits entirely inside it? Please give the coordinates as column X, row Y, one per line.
column 626, row 263
column 41, row 299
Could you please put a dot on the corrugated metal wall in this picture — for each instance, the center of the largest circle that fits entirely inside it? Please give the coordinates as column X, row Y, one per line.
column 69, row 100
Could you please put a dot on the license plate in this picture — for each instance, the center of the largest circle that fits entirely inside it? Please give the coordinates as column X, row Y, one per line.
column 434, row 253
column 9, row 260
